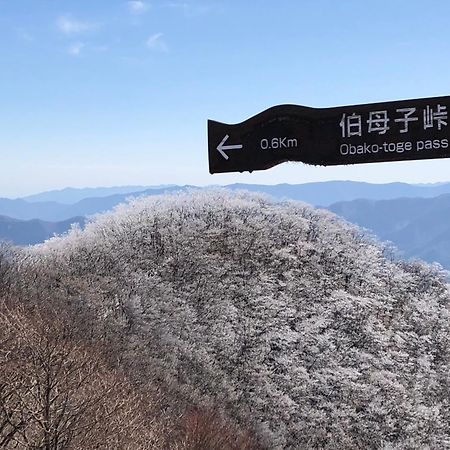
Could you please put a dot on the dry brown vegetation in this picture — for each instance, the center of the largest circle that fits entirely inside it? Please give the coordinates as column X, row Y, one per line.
column 65, row 382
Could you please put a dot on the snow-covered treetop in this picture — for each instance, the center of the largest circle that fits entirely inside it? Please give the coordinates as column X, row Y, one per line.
column 280, row 312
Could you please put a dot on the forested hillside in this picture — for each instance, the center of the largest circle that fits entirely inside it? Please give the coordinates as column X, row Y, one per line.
column 297, row 330
column 418, row 227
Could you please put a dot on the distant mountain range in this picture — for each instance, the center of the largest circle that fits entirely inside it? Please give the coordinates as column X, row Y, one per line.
column 56, row 211
column 73, row 195
column 414, row 217
column 57, row 206
column 329, row 192
column 29, row 232
column 419, row 227
column 321, row 193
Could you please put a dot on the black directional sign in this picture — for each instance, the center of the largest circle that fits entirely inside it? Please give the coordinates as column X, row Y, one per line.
column 390, row 131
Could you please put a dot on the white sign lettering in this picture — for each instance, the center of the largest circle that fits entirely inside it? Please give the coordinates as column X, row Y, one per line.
column 407, row 117
column 378, row 121
column 430, row 117
column 351, row 125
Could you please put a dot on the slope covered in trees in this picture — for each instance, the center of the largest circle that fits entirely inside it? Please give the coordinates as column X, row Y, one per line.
column 281, row 318
column 418, row 227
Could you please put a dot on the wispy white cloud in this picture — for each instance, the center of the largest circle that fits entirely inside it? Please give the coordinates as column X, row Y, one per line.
column 191, row 9
column 71, row 26
column 24, row 35
column 76, row 48
column 138, row 6
column 157, row 42
column 101, row 48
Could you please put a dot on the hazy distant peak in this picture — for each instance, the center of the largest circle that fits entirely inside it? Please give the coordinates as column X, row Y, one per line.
column 71, row 195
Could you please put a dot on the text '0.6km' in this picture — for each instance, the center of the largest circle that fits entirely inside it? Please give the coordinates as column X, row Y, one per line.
column 376, row 132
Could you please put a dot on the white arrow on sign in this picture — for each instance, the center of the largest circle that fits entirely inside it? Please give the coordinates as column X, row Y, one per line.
column 221, row 147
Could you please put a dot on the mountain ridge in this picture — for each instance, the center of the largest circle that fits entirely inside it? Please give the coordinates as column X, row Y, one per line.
column 418, row 227
column 34, row 231
column 318, row 194
column 70, row 195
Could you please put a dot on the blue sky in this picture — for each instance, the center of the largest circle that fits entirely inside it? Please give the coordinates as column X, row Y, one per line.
column 119, row 92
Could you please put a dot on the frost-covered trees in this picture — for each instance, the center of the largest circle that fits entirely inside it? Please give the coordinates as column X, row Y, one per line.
column 285, row 316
